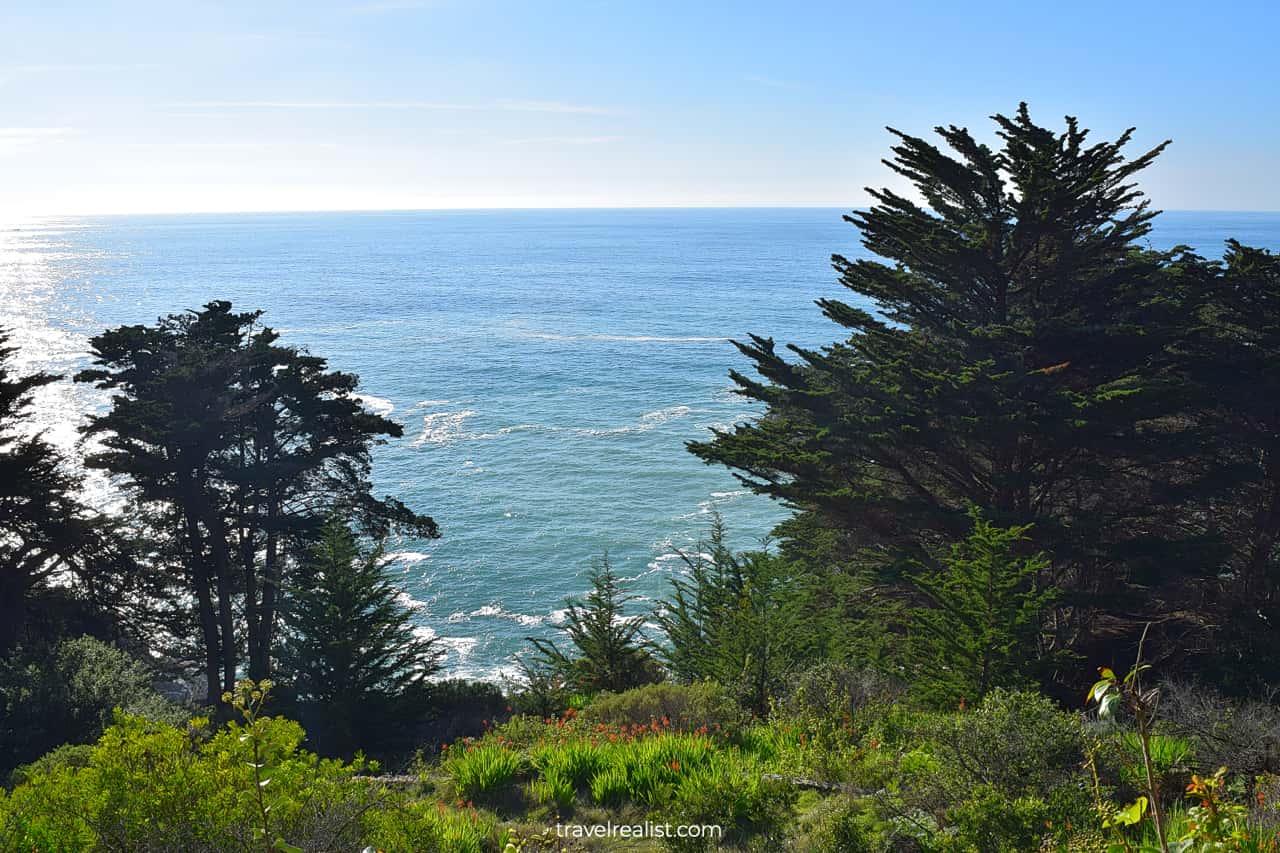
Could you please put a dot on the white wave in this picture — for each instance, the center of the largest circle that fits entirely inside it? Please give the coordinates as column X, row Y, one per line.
column 647, row 421
column 493, row 675
column 429, row 404
column 379, row 405
column 497, row 611
column 732, row 494
column 441, row 427
column 447, row 427
column 661, row 563
column 461, row 646
column 651, row 568
column 409, row 557
column 407, row 600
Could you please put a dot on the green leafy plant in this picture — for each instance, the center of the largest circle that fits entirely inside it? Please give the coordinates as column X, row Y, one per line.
column 1214, row 825
column 1129, row 692
column 248, row 699
column 481, row 768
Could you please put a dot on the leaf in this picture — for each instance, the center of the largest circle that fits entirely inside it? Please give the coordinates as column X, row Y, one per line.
column 1132, row 813
column 1105, row 704
column 285, row 847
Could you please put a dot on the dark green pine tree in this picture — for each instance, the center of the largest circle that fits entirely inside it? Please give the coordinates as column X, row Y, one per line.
column 45, row 528
column 1233, row 363
column 1008, row 349
column 350, row 649
column 983, row 621
column 607, row 650
column 743, row 620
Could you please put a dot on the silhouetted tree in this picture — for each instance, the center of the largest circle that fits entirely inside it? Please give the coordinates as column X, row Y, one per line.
column 46, row 530
column 1011, row 349
column 236, row 448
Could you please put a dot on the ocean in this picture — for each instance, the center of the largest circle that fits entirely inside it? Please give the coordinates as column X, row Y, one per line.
column 548, row 367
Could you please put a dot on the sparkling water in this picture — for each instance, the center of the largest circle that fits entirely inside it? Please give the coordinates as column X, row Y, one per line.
column 548, row 367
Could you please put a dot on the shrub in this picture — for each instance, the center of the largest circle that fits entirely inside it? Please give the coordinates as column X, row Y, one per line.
column 988, row 821
column 431, row 826
column 1016, row 742
column 730, row 792
column 1243, row 734
column 70, row 697
column 836, row 691
column 842, row 825
column 688, row 707
column 152, row 786
column 479, row 770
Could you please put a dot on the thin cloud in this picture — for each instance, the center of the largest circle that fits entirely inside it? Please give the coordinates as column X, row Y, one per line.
column 497, row 106
column 47, row 68
column 14, row 139
column 563, row 140
column 232, row 146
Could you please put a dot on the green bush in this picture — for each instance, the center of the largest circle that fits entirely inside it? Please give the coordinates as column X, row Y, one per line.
column 481, row 769
column 731, row 793
column 836, row 691
column 70, row 697
column 1016, row 742
column 988, row 821
column 153, row 786
column 688, row 707
column 431, row 827
column 842, row 825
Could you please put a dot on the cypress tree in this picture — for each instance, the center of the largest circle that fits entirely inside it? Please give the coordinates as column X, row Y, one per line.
column 1236, row 498
column 743, row 620
column 235, row 449
column 1009, row 349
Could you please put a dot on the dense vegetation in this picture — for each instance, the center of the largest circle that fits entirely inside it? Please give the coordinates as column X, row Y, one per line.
column 1026, row 599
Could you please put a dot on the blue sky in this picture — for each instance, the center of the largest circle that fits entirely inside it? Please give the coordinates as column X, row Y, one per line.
column 172, row 106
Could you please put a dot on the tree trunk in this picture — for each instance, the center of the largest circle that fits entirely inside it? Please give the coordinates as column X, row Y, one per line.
column 208, row 622
column 260, row 655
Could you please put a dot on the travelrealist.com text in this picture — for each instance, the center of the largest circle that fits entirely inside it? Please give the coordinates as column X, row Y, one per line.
column 638, row 830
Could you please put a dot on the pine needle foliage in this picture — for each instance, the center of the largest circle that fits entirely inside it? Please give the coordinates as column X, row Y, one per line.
column 350, row 643
column 981, row 626
column 607, row 650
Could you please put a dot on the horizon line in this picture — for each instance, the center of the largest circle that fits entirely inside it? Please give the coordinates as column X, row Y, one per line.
column 14, row 217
